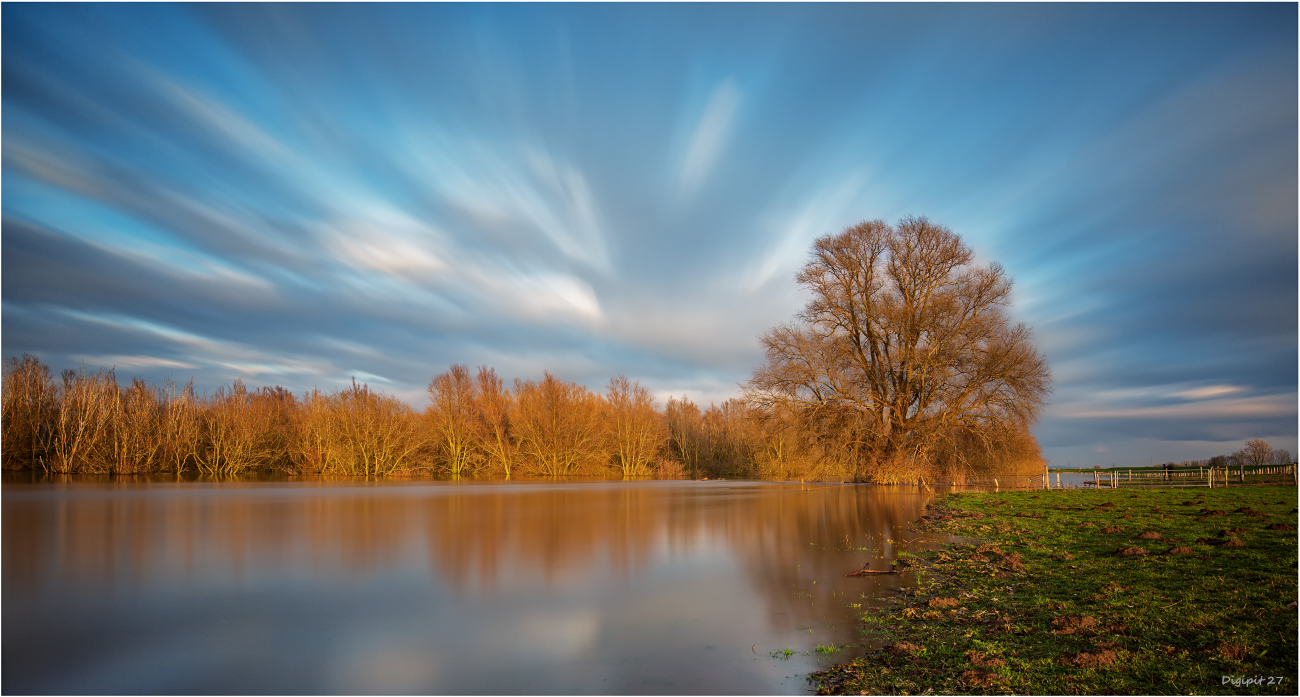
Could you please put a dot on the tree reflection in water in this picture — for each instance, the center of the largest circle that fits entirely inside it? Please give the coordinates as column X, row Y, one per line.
column 605, row 586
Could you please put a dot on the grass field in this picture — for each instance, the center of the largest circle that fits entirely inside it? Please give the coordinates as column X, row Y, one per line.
column 1094, row 592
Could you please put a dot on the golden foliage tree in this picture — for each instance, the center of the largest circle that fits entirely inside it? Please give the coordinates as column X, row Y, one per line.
column 82, row 418
column 29, row 396
column 492, row 423
column 181, row 430
column 380, row 434
column 557, row 426
column 636, row 431
column 137, row 419
column 233, row 432
column 904, row 352
column 451, row 415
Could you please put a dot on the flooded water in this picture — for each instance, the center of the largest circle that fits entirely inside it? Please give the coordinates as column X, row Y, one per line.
column 663, row 587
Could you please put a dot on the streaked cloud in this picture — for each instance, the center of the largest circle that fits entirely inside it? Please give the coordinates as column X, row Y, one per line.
column 1266, row 405
column 708, row 138
column 1208, row 392
column 299, row 194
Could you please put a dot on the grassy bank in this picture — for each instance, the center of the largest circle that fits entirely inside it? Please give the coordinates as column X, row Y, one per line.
column 1094, row 592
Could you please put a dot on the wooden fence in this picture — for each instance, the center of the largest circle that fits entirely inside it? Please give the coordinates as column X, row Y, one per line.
column 998, row 484
column 1136, row 479
column 1202, row 476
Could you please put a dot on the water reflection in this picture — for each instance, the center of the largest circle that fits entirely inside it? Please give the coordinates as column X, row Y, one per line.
column 437, row 587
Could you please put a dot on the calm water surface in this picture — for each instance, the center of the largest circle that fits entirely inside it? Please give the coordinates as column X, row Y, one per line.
column 663, row 587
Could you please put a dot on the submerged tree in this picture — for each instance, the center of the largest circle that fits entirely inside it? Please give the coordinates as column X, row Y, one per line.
column 635, row 431
column 905, row 356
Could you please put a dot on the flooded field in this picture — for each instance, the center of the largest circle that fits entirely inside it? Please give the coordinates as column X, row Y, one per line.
column 439, row 587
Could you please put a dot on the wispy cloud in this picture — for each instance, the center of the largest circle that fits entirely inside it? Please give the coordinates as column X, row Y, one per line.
column 1262, row 406
column 708, row 139
column 1208, row 392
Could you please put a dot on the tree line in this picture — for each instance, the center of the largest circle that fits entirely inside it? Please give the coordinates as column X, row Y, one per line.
column 1257, row 453
column 473, row 425
column 904, row 367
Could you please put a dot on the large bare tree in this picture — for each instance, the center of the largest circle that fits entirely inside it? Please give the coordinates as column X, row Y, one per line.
column 905, row 355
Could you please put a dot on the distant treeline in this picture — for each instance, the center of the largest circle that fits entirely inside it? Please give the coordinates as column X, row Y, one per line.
column 473, row 424
column 1257, row 453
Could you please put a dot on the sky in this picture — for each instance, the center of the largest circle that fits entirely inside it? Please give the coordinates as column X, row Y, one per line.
column 300, row 194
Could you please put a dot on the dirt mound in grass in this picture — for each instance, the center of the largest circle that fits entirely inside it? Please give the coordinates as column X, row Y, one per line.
column 1280, row 526
column 1093, row 660
column 1131, row 552
column 1087, row 525
column 904, row 649
column 983, row 660
column 1072, row 624
column 1206, row 511
column 1149, row 535
column 1063, row 556
column 980, row 678
column 1180, row 550
column 1112, row 529
column 1234, row 542
column 1231, row 651
column 1232, row 532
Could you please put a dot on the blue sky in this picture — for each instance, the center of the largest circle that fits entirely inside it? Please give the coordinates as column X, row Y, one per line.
column 297, row 194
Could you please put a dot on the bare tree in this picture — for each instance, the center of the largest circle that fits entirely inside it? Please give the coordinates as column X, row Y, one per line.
column 136, row 420
column 905, row 351
column 29, row 396
column 686, row 437
column 452, row 407
column 636, row 431
column 492, row 430
column 81, row 421
column 378, row 434
column 1257, row 452
column 558, row 426
column 231, row 432
column 182, row 426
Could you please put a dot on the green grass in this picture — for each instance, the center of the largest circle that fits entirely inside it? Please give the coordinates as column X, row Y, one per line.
column 1042, row 603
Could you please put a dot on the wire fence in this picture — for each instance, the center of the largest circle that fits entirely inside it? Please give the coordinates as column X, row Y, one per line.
column 1271, row 475
column 1174, row 478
